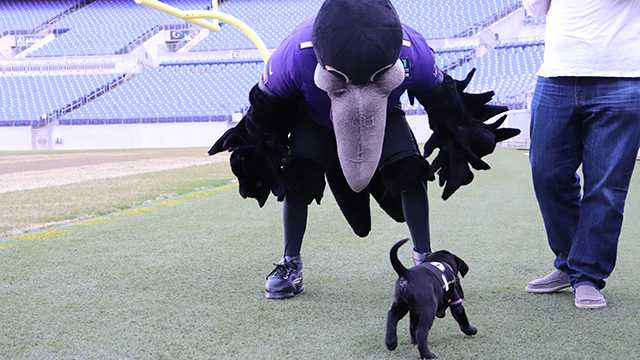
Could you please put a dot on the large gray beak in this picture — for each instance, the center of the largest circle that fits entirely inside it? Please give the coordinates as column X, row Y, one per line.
column 359, row 115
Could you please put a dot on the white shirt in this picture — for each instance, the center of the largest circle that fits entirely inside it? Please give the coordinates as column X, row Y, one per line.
column 590, row 37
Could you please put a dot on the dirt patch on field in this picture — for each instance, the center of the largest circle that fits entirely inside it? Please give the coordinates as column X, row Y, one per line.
column 26, row 172
column 39, row 163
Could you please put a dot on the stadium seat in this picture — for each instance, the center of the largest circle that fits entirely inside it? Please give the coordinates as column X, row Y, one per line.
column 28, row 98
column 441, row 19
column 27, row 15
column 105, row 26
column 201, row 92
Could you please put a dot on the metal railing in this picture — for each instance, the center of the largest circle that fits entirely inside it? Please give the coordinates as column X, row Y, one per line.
column 46, row 24
column 475, row 28
column 148, row 35
column 75, row 104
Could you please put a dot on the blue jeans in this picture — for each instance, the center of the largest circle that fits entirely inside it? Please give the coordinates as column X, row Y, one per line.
column 593, row 122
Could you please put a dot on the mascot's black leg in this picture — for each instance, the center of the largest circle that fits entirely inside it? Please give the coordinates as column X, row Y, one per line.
column 404, row 173
column 285, row 280
column 304, row 182
column 294, row 214
column 415, row 206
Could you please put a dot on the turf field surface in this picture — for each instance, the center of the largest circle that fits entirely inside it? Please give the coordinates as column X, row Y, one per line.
column 182, row 278
column 37, row 189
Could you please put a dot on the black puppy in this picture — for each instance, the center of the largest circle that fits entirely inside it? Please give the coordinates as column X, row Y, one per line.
column 425, row 291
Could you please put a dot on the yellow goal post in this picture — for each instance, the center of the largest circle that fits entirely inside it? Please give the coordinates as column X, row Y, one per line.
column 199, row 17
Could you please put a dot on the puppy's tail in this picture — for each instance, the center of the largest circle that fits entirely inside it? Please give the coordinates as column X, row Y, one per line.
column 395, row 262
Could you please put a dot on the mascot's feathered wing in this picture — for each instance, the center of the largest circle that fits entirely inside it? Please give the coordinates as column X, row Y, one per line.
column 358, row 69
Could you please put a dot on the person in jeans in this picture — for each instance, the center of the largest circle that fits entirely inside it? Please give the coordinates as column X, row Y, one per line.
column 585, row 112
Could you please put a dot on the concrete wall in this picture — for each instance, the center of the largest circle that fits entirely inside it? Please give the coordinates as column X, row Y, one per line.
column 15, row 138
column 163, row 135
column 519, row 119
column 516, row 118
column 85, row 137
column 136, row 136
column 420, row 126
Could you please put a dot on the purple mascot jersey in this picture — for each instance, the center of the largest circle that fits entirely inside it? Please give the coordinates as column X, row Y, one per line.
column 290, row 71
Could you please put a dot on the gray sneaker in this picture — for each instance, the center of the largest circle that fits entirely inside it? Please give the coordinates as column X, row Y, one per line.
column 589, row 297
column 555, row 281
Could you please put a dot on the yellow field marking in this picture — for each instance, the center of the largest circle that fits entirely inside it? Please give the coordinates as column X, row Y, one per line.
column 96, row 221
column 55, row 233
column 42, row 235
column 171, row 202
column 198, row 194
column 224, row 188
column 207, row 193
column 138, row 211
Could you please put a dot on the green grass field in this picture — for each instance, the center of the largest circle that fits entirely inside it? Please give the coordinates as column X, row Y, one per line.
column 181, row 277
column 22, row 209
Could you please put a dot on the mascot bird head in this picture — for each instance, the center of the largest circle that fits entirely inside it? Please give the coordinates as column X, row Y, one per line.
column 357, row 43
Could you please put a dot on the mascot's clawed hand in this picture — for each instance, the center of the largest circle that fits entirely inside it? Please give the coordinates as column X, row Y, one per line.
column 256, row 172
column 256, row 164
column 259, row 147
column 459, row 131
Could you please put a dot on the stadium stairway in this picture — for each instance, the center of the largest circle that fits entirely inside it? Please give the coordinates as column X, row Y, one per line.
column 97, row 31
column 56, row 114
column 44, row 31
column 27, row 17
column 142, row 38
column 49, row 22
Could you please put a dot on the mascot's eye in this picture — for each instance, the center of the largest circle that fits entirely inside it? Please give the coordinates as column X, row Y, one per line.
column 337, row 76
column 330, row 80
column 339, row 92
column 377, row 76
column 380, row 73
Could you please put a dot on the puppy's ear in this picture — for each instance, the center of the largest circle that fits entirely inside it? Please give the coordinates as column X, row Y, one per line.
column 463, row 268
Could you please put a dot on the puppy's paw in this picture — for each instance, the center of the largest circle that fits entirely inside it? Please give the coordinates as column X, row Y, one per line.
column 471, row 330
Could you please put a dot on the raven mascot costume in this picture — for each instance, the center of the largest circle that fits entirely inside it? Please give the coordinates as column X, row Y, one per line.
column 328, row 105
